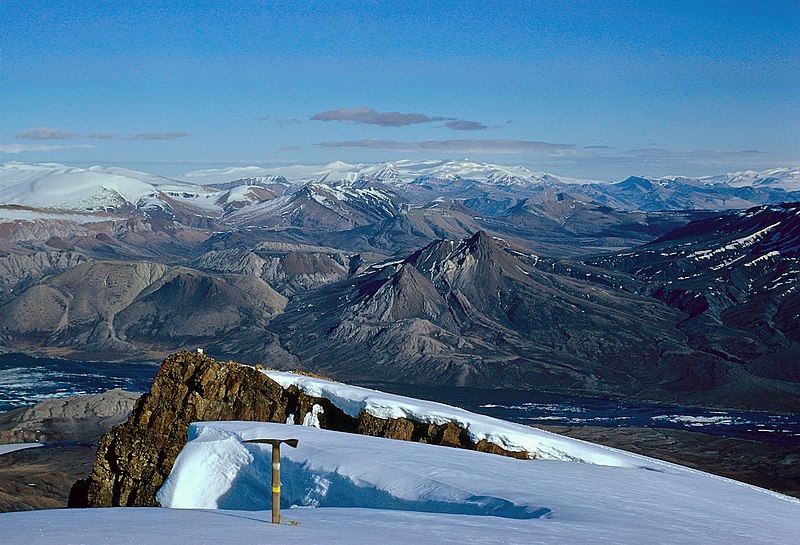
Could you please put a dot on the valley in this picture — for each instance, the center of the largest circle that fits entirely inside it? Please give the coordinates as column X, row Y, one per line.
column 451, row 273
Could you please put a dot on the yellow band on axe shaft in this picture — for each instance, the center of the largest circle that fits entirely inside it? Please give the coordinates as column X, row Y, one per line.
column 276, row 489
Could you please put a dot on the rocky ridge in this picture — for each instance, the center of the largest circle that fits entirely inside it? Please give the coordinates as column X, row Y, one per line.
column 134, row 459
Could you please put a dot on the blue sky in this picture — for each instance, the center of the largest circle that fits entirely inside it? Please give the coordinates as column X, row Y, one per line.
column 595, row 90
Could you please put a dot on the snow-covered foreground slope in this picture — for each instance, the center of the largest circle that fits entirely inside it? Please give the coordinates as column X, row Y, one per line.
column 372, row 490
column 350, row 489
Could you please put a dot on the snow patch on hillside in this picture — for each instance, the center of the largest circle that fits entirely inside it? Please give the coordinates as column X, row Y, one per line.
column 738, row 244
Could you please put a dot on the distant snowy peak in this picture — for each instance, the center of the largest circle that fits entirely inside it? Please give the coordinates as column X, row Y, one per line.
column 468, row 170
column 387, row 173
column 782, row 178
column 408, row 171
column 53, row 186
column 57, row 187
column 343, row 192
column 263, row 181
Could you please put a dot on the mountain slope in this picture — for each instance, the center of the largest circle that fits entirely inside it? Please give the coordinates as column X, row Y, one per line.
column 134, row 310
column 471, row 312
column 737, row 278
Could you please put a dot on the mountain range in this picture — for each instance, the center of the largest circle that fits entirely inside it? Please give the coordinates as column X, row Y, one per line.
column 455, row 273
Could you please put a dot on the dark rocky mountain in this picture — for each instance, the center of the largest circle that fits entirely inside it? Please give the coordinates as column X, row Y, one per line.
column 569, row 225
column 322, row 207
column 327, row 273
column 19, row 272
column 419, row 225
column 680, row 193
column 135, row 310
column 473, row 313
column 737, row 277
column 104, row 236
column 289, row 268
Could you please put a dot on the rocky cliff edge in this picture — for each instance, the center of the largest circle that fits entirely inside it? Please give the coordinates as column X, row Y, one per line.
column 134, row 458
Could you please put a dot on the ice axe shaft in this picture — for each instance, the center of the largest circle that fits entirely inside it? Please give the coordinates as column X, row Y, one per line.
column 276, row 472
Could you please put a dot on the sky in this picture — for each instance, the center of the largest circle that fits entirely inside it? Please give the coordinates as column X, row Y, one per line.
column 594, row 90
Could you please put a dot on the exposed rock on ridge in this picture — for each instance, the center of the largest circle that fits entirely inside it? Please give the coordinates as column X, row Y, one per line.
column 134, row 459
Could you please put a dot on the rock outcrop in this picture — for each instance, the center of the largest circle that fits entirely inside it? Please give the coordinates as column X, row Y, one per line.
column 134, row 459
column 81, row 419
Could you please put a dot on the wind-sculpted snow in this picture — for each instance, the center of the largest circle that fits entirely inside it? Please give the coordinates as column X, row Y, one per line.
column 335, row 473
column 216, row 470
column 354, row 400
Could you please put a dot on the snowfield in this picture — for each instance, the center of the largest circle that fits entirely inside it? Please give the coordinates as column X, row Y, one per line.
column 341, row 488
column 349, row 489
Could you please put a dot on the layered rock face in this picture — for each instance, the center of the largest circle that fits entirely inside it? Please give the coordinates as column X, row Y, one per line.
column 134, row 459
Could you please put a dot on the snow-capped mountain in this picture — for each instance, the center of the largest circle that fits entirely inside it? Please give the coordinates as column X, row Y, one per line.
column 218, row 192
column 782, row 178
column 57, row 187
column 395, row 206
column 322, row 206
column 405, row 171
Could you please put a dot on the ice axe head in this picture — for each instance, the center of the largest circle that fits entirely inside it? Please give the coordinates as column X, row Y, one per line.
column 274, row 442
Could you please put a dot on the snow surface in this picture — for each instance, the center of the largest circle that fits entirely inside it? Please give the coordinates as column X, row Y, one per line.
column 352, row 400
column 8, row 215
column 55, row 186
column 447, row 495
column 5, row 449
column 783, row 178
column 350, row 489
column 403, row 171
column 737, row 244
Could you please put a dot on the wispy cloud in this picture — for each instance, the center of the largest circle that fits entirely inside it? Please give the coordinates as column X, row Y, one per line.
column 498, row 147
column 24, row 148
column 283, row 123
column 46, row 133
column 139, row 136
column 367, row 116
column 159, row 136
column 464, row 125
column 661, row 153
column 103, row 136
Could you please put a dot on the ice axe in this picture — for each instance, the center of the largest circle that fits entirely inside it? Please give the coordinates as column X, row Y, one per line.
column 276, row 472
